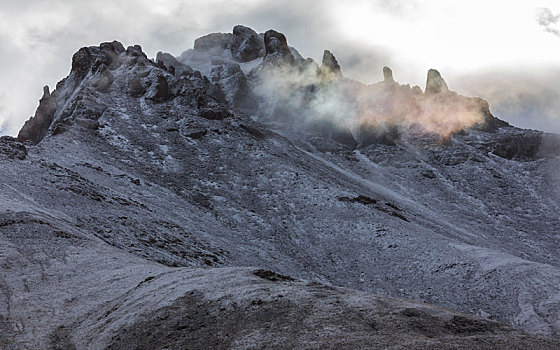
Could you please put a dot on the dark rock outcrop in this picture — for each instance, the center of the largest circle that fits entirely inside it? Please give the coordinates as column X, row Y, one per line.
column 521, row 146
column 103, row 80
column 215, row 113
column 214, row 43
column 161, row 92
column 435, row 83
column 388, row 75
column 136, row 87
column 171, row 64
column 489, row 123
column 11, row 148
column 330, row 64
column 87, row 123
column 369, row 134
column 246, row 44
column 37, row 126
column 82, row 62
column 135, row 50
column 277, row 50
column 110, row 53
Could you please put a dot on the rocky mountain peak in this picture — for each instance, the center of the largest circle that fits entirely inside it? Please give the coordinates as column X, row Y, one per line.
column 435, row 83
column 388, row 75
column 330, row 64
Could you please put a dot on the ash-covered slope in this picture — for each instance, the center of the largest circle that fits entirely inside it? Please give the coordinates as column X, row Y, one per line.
column 140, row 190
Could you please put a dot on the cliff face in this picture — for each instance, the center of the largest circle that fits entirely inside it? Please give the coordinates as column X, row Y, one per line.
column 142, row 190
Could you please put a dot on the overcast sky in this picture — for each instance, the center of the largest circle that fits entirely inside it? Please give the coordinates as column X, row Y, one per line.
column 505, row 51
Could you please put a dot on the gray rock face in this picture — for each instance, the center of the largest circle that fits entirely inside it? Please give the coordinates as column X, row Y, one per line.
column 435, row 83
column 388, row 75
column 161, row 91
column 330, row 64
column 246, row 44
column 142, row 205
column 214, row 42
column 377, row 134
column 10, row 148
column 171, row 63
column 37, row 126
column 234, row 82
column 277, row 50
column 490, row 123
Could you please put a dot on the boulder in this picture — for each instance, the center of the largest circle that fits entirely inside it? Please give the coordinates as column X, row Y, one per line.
column 246, row 45
column 36, row 128
column 214, row 43
column 162, row 92
column 489, row 123
column 135, row 50
column 111, row 52
column 171, row 64
column 135, row 87
column 82, row 62
column 10, row 148
column 234, row 86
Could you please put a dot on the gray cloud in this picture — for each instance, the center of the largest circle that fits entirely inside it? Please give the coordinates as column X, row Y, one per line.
column 548, row 20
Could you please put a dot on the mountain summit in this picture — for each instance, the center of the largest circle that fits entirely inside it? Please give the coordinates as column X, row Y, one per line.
column 243, row 196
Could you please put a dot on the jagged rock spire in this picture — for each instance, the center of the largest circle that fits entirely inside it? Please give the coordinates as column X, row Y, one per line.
column 435, row 83
column 46, row 92
column 276, row 46
column 388, row 75
column 330, row 64
column 36, row 127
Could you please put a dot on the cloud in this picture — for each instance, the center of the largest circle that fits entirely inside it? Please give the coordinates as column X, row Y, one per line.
column 528, row 97
column 548, row 20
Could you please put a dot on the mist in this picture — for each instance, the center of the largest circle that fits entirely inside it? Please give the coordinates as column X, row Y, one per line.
column 527, row 99
column 38, row 38
column 313, row 96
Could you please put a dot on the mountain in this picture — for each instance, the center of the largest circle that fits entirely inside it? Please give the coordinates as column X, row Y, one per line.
column 242, row 196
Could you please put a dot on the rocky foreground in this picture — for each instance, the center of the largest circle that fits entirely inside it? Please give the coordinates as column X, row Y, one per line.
column 241, row 196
